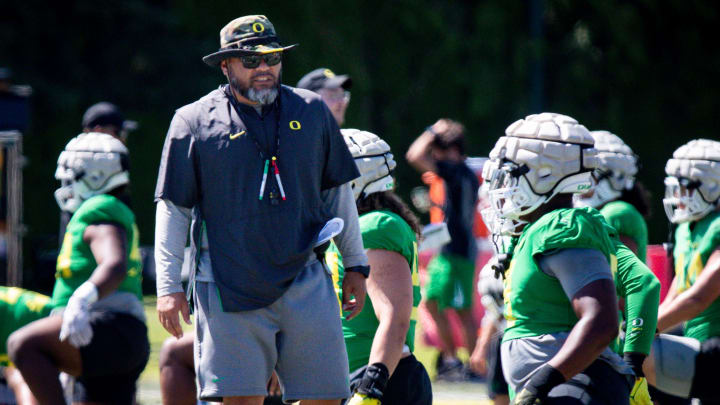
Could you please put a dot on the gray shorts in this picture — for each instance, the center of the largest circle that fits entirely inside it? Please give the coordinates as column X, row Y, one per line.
column 299, row 336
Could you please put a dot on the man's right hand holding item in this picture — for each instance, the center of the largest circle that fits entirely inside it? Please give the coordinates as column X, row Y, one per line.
column 539, row 386
column 168, row 307
column 372, row 386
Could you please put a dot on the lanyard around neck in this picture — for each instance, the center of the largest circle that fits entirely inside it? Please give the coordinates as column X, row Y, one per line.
column 269, row 159
column 264, row 154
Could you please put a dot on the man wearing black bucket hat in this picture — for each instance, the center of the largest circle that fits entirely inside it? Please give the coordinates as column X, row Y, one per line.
column 259, row 168
column 334, row 90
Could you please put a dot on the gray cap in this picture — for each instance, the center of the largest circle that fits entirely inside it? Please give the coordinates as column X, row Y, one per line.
column 324, row 78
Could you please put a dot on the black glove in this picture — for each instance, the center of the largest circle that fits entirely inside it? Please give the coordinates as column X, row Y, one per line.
column 539, row 386
column 374, row 381
column 635, row 360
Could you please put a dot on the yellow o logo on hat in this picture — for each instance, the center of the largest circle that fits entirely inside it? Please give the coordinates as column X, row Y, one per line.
column 328, row 73
column 295, row 125
column 258, row 27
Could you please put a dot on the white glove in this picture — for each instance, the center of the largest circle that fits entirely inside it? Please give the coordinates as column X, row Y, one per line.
column 76, row 316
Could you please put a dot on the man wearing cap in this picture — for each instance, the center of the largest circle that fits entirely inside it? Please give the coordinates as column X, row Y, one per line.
column 334, row 90
column 106, row 118
column 256, row 166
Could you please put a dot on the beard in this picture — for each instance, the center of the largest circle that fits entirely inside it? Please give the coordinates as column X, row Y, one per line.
column 262, row 96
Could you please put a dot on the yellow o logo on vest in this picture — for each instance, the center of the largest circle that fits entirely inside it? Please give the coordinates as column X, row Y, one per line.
column 258, row 27
column 295, row 125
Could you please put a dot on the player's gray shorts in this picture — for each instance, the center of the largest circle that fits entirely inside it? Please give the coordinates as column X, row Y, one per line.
column 299, row 335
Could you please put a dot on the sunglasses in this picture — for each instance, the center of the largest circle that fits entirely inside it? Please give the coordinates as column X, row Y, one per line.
column 253, row 61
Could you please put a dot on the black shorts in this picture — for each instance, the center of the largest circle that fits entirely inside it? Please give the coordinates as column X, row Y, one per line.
column 114, row 359
column 661, row 398
column 599, row 384
column 704, row 384
column 409, row 384
column 495, row 378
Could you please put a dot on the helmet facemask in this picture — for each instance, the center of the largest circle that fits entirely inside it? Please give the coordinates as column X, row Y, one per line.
column 684, row 201
column 91, row 164
column 509, row 192
column 496, row 224
column 692, row 185
column 374, row 161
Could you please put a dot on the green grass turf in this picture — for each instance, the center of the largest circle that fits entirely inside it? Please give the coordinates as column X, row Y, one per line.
column 149, row 391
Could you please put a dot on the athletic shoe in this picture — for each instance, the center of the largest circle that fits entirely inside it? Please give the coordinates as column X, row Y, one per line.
column 449, row 371
column 473, row 377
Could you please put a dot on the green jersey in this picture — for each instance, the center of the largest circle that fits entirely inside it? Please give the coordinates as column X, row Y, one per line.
column 694, row 243
column 627, row 221
column 76, row 262
column 535, row 303
column 380, row 230
column 18, row 308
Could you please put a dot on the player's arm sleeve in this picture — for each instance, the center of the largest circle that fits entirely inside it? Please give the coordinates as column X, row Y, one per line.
column 575, row 268
column 177, row 176
column 642, row 298
column 340, row 166
column 171, row 230
column 341, row 203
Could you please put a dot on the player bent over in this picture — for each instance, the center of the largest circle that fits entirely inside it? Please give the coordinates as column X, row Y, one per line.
column 686, row 366
column 560, row 301
column 380, row 339
column 100, row 336
column 18, row 307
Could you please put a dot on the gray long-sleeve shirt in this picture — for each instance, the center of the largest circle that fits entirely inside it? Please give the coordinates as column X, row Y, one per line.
column 171, row 229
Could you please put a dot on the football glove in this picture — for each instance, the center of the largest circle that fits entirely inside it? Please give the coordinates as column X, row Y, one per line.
column 362, row 399
column 539, row 386
column 76, row 316
column 370, row 389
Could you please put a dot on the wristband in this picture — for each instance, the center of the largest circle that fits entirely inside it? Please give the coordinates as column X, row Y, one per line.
column 635, row 360
column 374, row 381
column 364, row 270
column 544, row 380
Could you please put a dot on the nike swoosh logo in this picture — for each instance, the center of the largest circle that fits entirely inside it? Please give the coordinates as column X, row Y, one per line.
column 233, row 136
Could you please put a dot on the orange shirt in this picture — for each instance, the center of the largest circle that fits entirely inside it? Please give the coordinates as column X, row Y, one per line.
column 436, row 193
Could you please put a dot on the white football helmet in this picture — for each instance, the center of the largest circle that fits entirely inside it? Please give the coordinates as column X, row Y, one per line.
column 692, row 188
column 374, row 162
column 91, row 164
column 617, row 167
column 539, row 157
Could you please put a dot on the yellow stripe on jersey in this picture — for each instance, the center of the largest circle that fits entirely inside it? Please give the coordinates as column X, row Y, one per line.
column 506, row 295
column 694, row 269
column 11, row 295
column 415, row 275
column 331, row 259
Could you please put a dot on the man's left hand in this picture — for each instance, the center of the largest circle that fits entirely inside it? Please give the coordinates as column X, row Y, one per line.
column 353, row 285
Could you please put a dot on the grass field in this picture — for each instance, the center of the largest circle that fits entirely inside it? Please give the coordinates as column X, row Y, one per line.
column 444, row 393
